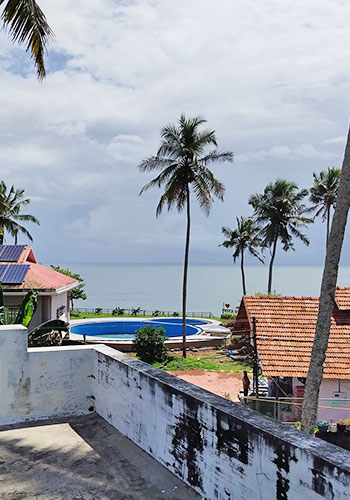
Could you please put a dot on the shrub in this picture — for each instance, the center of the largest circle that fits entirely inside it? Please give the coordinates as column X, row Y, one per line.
column 175, row 314
column 135, row 311
column 149, row 344
column 98, row 310
column 228, row 316
column 156, row 313
column 118, row 311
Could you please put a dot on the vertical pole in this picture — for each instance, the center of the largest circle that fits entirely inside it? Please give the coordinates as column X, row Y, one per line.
column 255, row 365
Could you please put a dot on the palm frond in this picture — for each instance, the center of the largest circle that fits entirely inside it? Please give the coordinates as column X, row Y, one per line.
column 26, row 24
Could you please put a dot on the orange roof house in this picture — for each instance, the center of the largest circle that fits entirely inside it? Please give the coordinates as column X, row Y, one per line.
column 20, row 273
column 285, row 332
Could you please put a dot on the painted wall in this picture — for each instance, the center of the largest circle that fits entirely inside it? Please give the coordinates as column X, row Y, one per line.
column 222, row 449
column 58, row 301
column 41, row 382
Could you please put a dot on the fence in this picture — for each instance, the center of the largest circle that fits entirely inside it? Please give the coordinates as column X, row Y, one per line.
column 288, row 409
column 142, row 312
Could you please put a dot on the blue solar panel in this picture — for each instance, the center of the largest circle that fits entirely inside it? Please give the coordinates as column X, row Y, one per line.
column 3, row 268
column 15, row 273
column 10, row 253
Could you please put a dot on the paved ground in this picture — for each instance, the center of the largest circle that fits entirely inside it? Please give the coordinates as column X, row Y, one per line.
column 223, row 384
column 81, row 459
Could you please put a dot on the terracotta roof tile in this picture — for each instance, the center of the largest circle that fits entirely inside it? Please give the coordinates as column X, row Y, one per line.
column 285, row 332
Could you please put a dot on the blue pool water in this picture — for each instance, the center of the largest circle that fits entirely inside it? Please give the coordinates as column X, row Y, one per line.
column 125, row 330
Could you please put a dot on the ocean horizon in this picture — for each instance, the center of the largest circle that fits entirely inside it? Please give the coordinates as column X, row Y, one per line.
column 159, row 286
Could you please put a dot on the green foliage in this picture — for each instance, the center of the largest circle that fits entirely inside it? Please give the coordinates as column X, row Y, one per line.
column 269, row 294
column 118, row 311
column 135, row 311
column 27, row 309
column 323, row 193
column 11, row 203
column 79, row 291
column 98, row 310
column 228, row 316
column 26, row 24
column 202, row 362
column 246, row 237
column 149, row 344
column 175, row 314
column 48, row 333
column 156, row 313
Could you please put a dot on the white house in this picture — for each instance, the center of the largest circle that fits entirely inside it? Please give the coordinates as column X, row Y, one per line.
column 20, row 273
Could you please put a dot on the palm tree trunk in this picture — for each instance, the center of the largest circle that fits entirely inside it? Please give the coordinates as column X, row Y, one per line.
column 269, row 286
column 242, row 272
column 326, row 305
column 184, row 287
column 327, row 235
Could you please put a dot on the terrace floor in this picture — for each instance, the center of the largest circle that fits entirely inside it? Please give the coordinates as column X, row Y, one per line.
column 80, row 458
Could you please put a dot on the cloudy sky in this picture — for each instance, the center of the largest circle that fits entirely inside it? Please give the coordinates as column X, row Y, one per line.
column 272, row 78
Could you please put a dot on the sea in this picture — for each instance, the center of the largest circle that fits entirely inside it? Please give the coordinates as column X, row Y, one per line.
column 159, row 287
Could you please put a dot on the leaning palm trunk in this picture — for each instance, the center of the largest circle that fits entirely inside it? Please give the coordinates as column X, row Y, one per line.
column 326, row 304
column 184, row 287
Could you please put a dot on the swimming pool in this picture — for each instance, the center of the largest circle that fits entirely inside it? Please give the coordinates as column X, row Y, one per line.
column 120, row 329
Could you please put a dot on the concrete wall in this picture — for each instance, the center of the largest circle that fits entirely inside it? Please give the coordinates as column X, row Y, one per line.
column 41, row 382
column 222, row 449
column 57, row 301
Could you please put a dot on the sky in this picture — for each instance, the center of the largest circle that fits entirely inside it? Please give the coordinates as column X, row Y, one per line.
column 271, row 78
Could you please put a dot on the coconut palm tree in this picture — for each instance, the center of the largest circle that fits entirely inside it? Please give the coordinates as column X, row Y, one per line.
column 326, row 304
column 245, row 237
column 281, row 209
column 183, row 158
column 323, row 194
column 11, row 203
column 26, row 24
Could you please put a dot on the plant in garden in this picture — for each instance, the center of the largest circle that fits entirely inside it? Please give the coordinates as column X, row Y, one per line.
column 118, row 311
column 183, row 160
column 149, row 344
column 156, row 313
column 175, row 314
column 98, row 310
column 135, row 311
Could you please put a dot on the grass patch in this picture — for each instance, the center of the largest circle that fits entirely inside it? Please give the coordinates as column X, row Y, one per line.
column 87, row 315
column 209, row 363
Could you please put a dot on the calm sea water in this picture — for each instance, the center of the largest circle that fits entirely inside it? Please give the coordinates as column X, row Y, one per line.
column 209, row 286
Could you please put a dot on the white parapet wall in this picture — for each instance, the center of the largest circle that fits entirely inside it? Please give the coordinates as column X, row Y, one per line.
column 41, row 382
column 221, row 449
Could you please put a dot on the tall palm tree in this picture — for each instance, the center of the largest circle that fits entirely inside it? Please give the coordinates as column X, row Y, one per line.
column 183, row 159
column 11, row 203
column 323, row 194
column 26, row 24
column 326, row 305
column 245, row 237
column 281, row 209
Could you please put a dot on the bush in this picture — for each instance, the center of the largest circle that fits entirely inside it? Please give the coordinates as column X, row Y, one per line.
column 118, row 311
column 228, row 316
column 149, row 344
column 98, row 310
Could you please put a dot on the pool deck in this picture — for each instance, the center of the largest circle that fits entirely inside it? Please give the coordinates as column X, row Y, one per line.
column 81, row 458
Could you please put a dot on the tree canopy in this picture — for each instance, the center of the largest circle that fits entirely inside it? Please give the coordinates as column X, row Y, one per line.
column 79, row 291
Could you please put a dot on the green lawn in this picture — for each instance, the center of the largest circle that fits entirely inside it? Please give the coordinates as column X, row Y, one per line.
column 211, row 363
column 87, row 315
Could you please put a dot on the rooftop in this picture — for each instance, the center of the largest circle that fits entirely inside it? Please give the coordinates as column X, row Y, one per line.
column 285, row 333
column 19, row 271
column 81, row 458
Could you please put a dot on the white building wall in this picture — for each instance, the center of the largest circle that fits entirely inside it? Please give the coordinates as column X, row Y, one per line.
column 59, row 300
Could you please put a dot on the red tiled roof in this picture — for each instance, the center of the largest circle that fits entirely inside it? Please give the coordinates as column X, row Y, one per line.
column 39, row 277
column 285, row 333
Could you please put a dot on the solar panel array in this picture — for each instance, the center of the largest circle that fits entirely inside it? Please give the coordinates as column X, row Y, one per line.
column 13, row 274
column 10, row 253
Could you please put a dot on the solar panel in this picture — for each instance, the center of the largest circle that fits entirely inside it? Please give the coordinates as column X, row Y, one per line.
column 15, row 273
column 10, row 253
column 3, row 268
